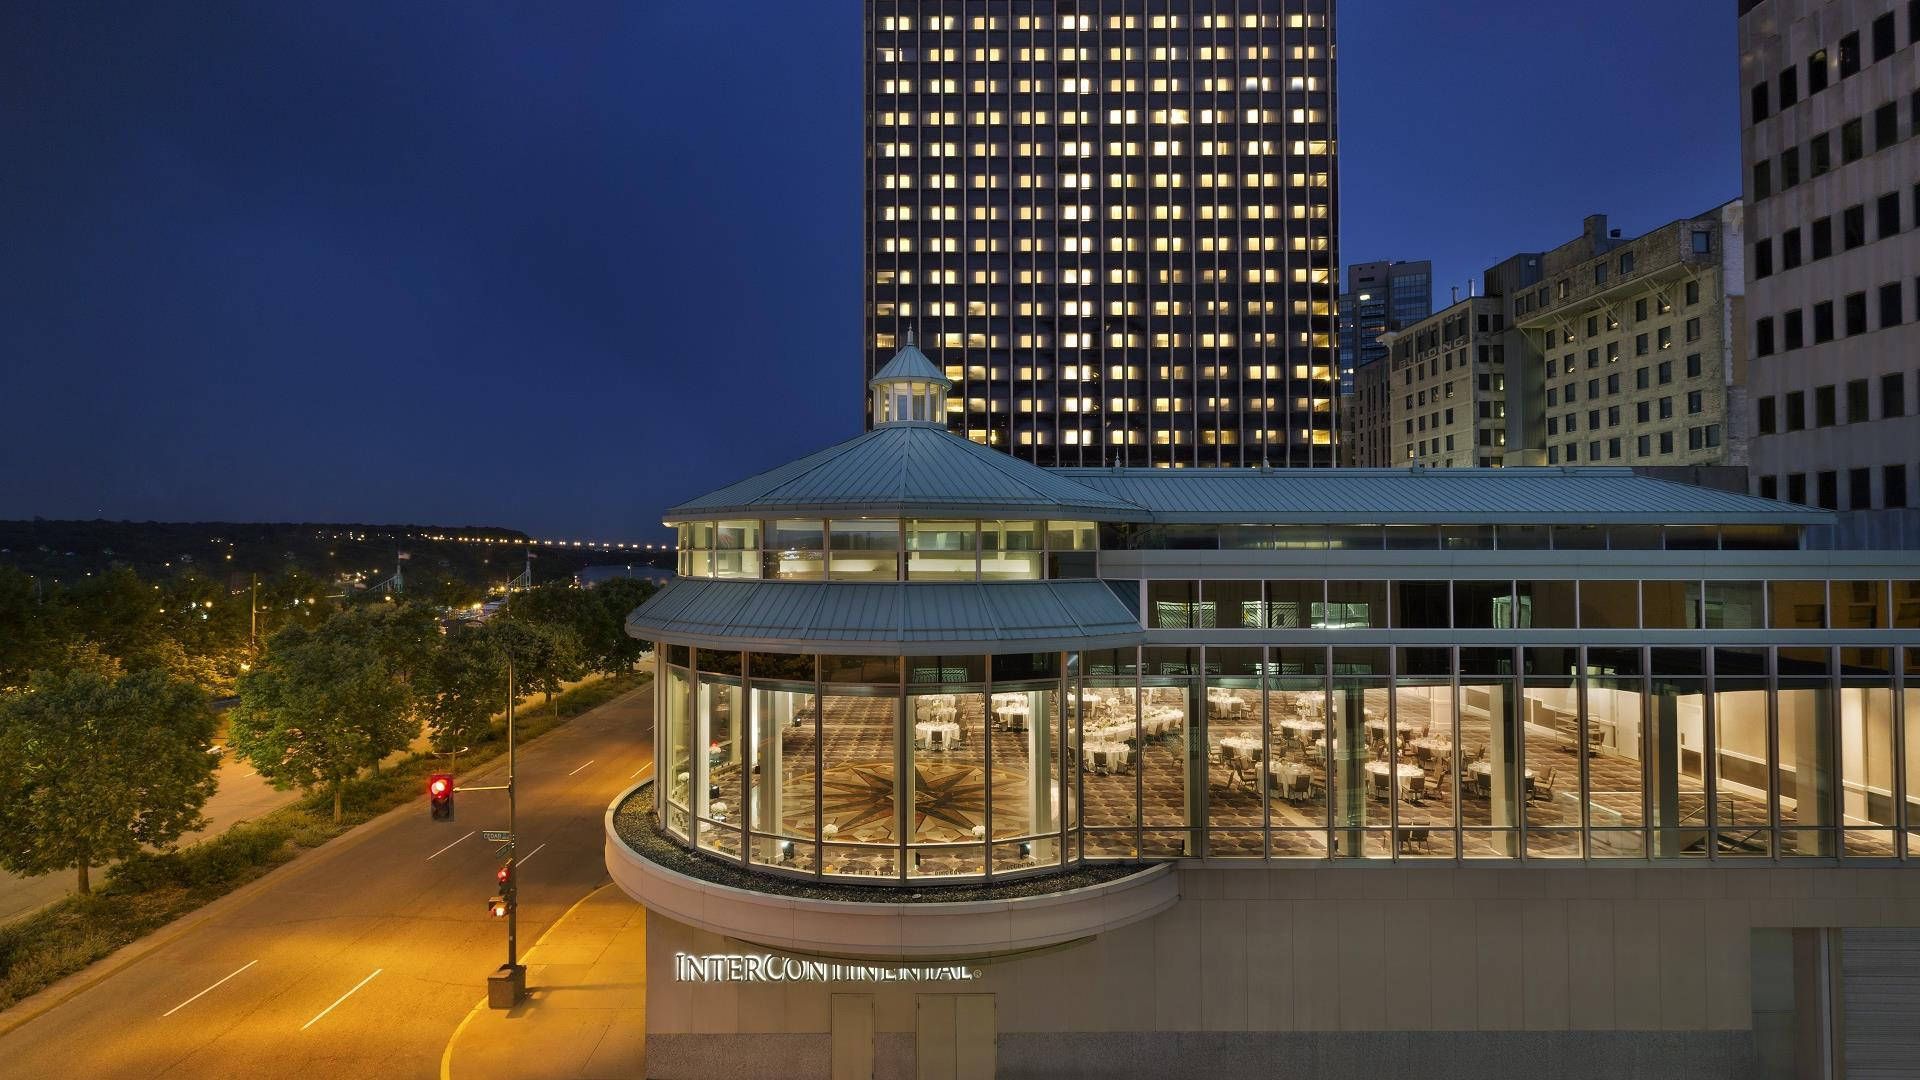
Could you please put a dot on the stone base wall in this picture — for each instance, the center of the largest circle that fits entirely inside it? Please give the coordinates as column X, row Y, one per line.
column 1149, row 1055
column 1538, row 972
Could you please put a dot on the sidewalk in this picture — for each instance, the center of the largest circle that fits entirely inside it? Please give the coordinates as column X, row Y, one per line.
column 585, row 1016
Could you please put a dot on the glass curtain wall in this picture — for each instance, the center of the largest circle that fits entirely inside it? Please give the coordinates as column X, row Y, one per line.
column 1491, row 781
column 955, row 767
column 1805, row 772
column 1023, row 726
column 782, row 806
column 1108, row 708
column 1361, row 693
column 1866, row 753
column 1236, row 757
column 945, row 790
column 1296, row 771
column 678, row 778
column 1676, row 753
column 1742, row 783
column 1910, row 713
column 1550, row 732
column 1421, row 750
column 1614, row 760
column 1011, row 550
column 1168, row 750
column 719, row 752
column 940, row 550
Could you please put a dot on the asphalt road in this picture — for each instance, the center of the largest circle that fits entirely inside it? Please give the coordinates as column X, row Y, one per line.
column 356, row 961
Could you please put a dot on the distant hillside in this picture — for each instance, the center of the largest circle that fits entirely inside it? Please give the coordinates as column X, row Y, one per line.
column 68, row 550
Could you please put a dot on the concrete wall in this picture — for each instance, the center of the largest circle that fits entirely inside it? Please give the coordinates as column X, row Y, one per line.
column 1538, row 972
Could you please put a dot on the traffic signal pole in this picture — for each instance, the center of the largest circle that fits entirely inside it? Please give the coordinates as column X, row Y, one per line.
column 513, row 879
column 507, row 987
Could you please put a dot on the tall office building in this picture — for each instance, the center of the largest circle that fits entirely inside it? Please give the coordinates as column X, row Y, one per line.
column 1113, row 224
column 1380, row 297
column 1830, row 107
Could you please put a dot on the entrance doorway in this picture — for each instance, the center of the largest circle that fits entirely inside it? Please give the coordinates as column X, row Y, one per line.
column 852, row 1037
column 953, row 1037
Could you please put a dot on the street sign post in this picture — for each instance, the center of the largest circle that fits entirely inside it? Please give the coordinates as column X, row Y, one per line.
column 496, row 836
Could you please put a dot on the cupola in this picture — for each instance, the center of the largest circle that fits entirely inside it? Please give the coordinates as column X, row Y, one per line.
column 909, row 389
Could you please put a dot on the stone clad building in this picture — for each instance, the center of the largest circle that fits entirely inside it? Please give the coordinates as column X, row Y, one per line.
column 1831, row 170
column 1640, row 344
column 1448, row 377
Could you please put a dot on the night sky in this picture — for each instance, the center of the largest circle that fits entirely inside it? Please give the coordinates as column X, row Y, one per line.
column 558, row 266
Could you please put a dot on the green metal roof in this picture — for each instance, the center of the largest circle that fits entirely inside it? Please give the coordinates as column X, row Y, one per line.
column 911, row 363
column 888, row 617
column 1431, row 496
column 909, row 470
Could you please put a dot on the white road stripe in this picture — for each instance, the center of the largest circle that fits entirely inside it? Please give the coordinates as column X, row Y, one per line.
column 444, row 850
column 589, row 762
column 640, row 770
column 522, row 860
column 343, row 997
column 208, row 990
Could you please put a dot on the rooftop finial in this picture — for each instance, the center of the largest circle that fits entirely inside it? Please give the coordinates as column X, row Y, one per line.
column 909, row 336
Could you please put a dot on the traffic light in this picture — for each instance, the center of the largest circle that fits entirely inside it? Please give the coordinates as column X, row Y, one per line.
column 440, row 794
column 497, row 907
column 505, row 875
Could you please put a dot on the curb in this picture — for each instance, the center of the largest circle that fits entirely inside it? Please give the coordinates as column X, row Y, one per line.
column 52, row 997
column 446, row 1056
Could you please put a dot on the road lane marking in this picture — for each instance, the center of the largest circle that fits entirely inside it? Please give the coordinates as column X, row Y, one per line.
column 343, row 997
column 640, row 770
column 207, row 991
column 449, row 847
column 589, row 762
column 522, row 860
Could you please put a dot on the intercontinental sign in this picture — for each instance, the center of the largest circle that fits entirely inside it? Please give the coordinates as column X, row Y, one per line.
column 729, row 967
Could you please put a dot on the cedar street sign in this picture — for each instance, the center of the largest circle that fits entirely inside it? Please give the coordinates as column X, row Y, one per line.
column 496, row 836
column 732, row 967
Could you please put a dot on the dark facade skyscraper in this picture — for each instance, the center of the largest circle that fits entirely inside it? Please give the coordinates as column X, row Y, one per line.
column 1113, row 224
column 1379, row 297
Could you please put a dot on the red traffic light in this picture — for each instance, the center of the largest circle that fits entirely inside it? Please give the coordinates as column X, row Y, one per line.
column 440, row 795
column 504, row 873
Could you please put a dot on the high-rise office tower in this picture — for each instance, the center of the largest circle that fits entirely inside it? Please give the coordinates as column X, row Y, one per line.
column 1380, row 297
column 1113, row 223
column 1830, row 105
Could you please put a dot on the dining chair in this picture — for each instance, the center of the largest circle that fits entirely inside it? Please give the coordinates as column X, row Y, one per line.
column 1543, row 789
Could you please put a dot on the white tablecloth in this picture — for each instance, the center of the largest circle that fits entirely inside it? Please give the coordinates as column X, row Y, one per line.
column 1242, row 743
column 1406, row 772
column 948, row 730
column 1483, row 767
column 1118, row 754
column 1304, row 730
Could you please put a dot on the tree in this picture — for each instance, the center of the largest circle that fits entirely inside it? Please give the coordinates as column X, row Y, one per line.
column 27, row 632
column 462, row 685
column 617, row 598
column 544, row 656
column 93, row 768
column 318, row 709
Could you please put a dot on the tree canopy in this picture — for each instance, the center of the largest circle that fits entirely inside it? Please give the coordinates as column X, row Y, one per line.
column 94, row 767
column 324, row 704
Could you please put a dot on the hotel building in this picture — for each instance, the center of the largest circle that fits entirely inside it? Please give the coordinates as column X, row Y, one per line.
column 966, row 767
column 1829, row 110
column 1115, row 223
